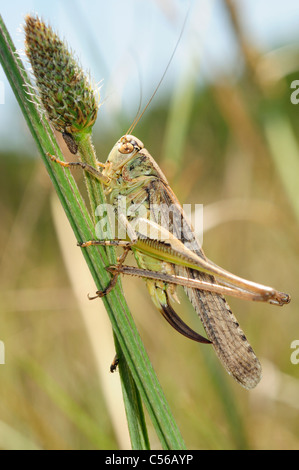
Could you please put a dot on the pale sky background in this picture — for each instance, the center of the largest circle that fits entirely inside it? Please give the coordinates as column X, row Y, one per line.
column 127, row 44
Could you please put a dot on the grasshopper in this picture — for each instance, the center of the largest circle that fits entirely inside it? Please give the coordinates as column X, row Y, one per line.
column 168, row 254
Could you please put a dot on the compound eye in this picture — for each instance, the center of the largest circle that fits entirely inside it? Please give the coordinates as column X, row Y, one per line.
column 125, row 146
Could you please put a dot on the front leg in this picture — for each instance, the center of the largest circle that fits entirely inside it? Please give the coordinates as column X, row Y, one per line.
column 84, row 166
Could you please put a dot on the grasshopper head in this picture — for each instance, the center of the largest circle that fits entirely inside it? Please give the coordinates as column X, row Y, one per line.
column 130, row 160
column 124, row 149
column 128, row 144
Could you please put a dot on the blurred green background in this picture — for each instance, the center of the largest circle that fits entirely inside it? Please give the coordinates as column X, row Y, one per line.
column 226, row 135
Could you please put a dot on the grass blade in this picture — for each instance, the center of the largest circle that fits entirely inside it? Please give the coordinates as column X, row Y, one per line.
column 123, row 326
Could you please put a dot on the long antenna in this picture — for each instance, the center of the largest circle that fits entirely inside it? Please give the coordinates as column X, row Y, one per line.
column 139, row 116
